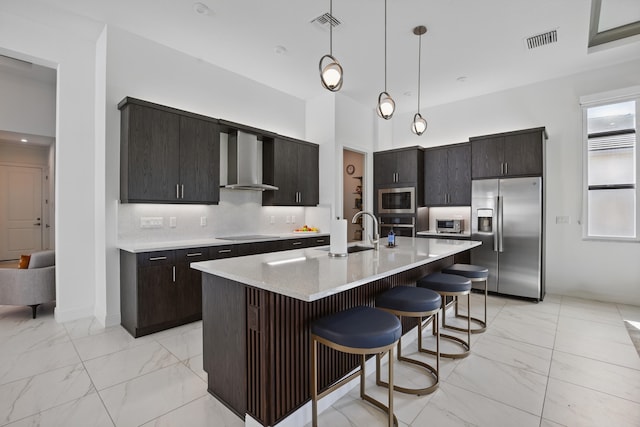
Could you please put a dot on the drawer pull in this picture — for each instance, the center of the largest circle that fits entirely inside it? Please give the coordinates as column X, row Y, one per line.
column 296, row 243
column 320, row 241
column 195, row 254
column 157, row 258
column 224, row 251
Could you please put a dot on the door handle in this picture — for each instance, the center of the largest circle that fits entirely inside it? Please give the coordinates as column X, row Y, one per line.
column 177, row 191
column 37, row 223
column 182, row 191
column 506, row 168
column 174, row 274
column 497, row 229
column 500, row 224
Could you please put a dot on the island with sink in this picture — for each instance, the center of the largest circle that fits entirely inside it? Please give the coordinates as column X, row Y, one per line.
column 257, row 311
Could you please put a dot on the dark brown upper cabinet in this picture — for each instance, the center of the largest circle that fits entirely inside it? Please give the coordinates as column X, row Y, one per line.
column 447, row 175
column 293, row 167
column 509, row 154
column 401, row 167
column 398, row 167
column 167, row 155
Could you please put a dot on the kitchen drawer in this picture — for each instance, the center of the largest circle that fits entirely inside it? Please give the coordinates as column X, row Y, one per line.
column 224, row 251
column 289, row 244
column 192, row 254
column 149, row 259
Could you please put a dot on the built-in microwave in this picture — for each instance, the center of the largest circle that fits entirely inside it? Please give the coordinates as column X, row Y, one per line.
column 397, row 200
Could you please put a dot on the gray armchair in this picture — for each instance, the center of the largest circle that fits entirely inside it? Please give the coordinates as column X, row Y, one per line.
column 31, row 286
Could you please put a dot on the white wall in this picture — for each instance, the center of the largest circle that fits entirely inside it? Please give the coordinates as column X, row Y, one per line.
column 26, row 105
column 33, row 34
column 143, row 69
column 607, row 271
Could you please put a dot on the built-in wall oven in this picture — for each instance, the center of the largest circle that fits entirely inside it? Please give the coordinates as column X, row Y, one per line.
column 401, row 226
column 400, row 200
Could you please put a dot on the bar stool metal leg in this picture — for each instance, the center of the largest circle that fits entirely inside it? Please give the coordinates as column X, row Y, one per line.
column 466, row 345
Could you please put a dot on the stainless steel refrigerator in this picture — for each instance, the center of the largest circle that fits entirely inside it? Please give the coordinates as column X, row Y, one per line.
column 506, row 215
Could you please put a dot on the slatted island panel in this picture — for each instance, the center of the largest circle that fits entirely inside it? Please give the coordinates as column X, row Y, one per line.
column 256, row 320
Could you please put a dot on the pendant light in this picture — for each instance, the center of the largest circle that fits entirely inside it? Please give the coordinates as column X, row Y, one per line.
column 331, row 73
column 386, row 105
column 419, row 125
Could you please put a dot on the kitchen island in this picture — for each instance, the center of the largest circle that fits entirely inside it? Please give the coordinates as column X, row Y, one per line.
column 257, row 311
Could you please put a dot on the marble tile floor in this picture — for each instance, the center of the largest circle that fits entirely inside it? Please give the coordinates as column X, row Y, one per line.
column 562, row 362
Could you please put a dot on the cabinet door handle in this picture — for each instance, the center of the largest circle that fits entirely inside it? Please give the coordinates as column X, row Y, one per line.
column 182, row 191
column 300, row 197
column 296, row 243
column 506, row 168
column 224, row 251
column 174, row 274
column 177, row 191
column 195, row 254
column 157, row 258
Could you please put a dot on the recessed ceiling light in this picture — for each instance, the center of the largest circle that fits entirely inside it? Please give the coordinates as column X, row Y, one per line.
column 24, row 140
column 280, row 50
column 201, row 8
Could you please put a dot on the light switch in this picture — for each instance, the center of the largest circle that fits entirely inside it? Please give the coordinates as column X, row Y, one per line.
column 203, row 221
column 563, row 219
column 173, row 221
column 293, row 219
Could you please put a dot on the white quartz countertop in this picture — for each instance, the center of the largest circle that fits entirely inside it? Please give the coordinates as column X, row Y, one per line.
column 136, row 246
column 311, row 274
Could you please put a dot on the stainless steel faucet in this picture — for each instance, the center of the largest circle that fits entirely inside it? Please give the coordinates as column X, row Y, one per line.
column 376, row 237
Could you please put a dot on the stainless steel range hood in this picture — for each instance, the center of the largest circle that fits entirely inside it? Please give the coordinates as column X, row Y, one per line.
column 244, row 163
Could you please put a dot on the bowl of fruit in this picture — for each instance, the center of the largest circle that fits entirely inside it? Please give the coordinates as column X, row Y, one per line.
column 306, row 229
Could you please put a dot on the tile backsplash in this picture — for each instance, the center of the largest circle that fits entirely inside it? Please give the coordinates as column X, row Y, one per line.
column 239, row 212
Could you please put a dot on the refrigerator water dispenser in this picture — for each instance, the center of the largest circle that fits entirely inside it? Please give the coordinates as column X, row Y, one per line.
column 485, row 220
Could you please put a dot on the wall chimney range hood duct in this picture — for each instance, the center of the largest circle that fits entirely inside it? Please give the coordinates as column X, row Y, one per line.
column 244, row 163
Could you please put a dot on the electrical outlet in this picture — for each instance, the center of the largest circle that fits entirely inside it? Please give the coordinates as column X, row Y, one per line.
column 293, row 219
column 272, row 220
column 203, row 221
column 151, row 222
column 563, row 219
column 173, row 221
column 288, row 219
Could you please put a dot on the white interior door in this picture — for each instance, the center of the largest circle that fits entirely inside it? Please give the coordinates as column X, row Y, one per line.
column 20, row 211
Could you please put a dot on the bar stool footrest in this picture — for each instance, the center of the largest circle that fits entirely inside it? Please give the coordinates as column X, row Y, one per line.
column 457, row 340
column 379, row 405
column 417, row 391
column 482, row 323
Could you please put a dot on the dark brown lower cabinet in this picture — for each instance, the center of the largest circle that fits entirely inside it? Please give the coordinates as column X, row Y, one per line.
column 158, row 290
column 256, row 342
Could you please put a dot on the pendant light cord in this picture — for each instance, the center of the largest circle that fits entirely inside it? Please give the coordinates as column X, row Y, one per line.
column 331, row 27
column 385, row 45
column 419, row 61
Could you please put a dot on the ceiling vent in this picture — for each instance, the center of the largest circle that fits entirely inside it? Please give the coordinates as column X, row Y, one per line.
column 542, row 39
column 323, row 21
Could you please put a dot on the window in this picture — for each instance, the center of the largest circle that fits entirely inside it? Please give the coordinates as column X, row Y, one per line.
column 611, row 179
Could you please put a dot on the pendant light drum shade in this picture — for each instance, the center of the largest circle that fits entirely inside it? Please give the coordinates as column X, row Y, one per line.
column 330, row 74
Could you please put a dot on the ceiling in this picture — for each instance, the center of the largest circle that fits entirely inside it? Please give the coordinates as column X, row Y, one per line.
column 471, row 48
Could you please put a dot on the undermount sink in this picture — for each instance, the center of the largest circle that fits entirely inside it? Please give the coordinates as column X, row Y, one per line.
column 358, row 248
column 351, row 249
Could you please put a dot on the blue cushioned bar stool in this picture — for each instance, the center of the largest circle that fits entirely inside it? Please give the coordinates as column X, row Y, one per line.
column 475, row 273
column 359, row 330
column 450, row 285
column 411, row 301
